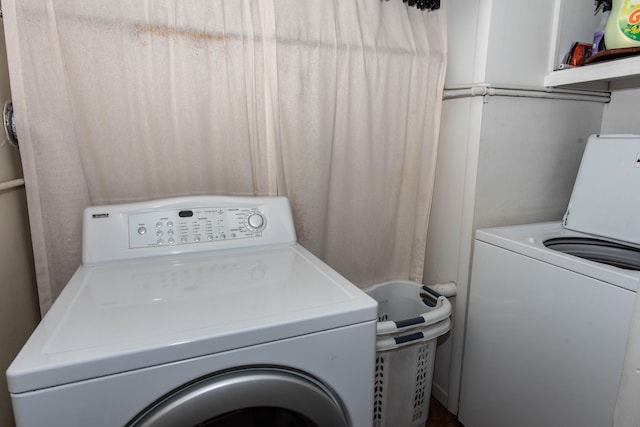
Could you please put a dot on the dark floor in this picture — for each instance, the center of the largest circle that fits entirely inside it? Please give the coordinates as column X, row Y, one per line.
column 440, row 417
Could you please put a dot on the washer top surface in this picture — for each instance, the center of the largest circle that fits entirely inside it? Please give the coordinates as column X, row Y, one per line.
column 121, row 315
column 529, row 240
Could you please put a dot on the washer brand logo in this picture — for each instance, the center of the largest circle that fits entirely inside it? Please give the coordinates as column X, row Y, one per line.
column 106, row 215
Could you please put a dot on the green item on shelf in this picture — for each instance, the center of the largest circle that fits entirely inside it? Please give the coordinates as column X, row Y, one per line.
column 623, row 25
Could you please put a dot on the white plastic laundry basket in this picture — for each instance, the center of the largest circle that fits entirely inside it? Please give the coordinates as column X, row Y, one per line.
column 410, row 319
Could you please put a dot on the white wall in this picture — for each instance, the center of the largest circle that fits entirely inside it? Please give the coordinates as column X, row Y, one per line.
column 529, row 157
column 18, row 303
column 501, row 161
column 466, row 54
column 621, row 114
column 498, row 41
column 519, row 40
column 449, row 220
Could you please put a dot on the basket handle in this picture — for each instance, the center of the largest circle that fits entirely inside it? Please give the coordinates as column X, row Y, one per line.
column 405, row 339
column 430, row 300
column 409, row 322
column 431, row 297
column 430, row 332
column 441, row 312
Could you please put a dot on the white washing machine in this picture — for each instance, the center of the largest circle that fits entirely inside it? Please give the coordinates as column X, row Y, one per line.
column 550, row 304
column 199, row 311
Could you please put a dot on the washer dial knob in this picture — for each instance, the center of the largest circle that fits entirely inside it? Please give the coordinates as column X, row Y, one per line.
column 256, row 222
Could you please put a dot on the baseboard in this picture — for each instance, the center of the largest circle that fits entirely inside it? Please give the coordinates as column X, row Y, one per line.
column 440, row 394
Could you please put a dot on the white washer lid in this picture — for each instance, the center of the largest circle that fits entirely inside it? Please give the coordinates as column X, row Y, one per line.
column 605, row 201
column 129, row 315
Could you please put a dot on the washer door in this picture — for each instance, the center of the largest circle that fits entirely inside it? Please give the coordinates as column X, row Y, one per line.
column 265, row 397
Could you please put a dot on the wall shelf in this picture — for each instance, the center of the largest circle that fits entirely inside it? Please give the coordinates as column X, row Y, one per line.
column 601, row 72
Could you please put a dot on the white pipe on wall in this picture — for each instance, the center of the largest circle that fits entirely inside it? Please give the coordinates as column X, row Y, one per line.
column 448, row 290
column 15, row 183
column 543, row 93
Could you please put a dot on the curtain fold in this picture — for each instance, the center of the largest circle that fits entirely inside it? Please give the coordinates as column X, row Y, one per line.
column 333, row 104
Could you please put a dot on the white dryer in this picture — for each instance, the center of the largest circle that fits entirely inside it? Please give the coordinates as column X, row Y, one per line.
column 199, row 311
column 550, row 304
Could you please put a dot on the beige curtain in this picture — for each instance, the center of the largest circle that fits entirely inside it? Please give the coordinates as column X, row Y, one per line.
column 334, row 104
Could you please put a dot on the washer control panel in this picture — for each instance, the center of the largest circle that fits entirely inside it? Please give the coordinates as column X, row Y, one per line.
column 199, row 225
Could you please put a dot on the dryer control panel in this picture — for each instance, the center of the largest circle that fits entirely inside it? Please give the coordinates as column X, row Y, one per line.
column 184, row 225
column 188, row 226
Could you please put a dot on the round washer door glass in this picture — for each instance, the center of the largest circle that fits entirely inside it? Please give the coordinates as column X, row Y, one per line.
column 265, row 397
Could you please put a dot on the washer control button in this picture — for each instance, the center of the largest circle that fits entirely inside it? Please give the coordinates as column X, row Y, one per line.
column 142, row 231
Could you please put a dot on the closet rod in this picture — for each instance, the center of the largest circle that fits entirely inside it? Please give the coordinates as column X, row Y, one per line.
column 14, row 183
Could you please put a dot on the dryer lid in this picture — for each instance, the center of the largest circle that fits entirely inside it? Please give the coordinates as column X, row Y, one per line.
column 605, row 200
